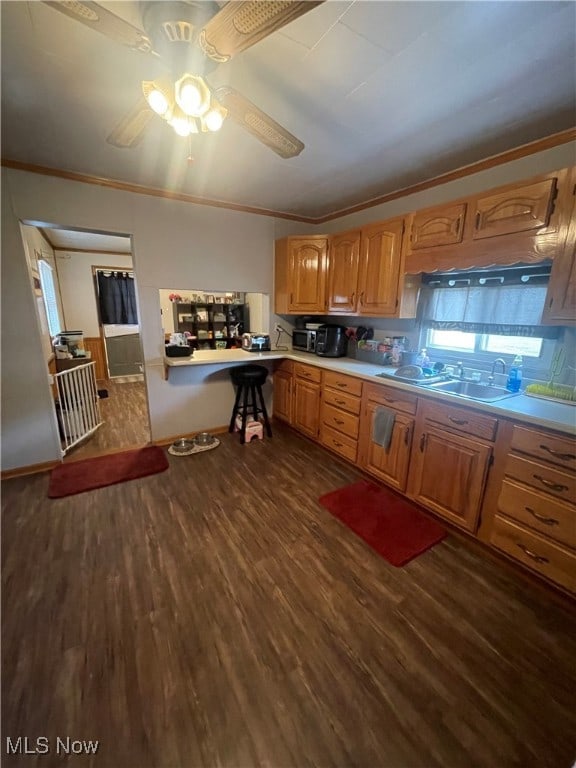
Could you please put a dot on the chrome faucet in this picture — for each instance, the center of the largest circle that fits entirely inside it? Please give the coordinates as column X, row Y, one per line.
column 460, row 369
column 494, row 364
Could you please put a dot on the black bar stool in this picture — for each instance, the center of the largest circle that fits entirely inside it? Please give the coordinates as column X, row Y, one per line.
column 248, row 380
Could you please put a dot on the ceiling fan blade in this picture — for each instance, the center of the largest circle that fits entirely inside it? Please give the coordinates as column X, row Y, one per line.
column 242, row 23
column 130, row 130
column 258, row 123
column 97, row 17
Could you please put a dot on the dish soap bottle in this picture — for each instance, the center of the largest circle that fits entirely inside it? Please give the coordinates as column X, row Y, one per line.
column 515, row 375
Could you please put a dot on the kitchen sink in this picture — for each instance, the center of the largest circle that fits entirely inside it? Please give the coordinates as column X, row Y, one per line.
column 473, row 390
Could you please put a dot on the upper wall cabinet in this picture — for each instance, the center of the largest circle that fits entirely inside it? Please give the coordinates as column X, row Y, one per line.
column 343, row 272
column 300, row 275
column 523, row 222
column 560, row 306
column 380, row 260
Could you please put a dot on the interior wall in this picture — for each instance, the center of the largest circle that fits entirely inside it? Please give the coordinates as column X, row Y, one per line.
column 77, row 287
column 174, row 243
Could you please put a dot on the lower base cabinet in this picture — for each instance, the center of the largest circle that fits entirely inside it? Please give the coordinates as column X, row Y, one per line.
column 387, row 464
column 283, row 384
column 306, row 399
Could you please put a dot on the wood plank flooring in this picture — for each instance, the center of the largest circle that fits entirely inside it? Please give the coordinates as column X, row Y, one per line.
column 217, row 615
column 125, row 416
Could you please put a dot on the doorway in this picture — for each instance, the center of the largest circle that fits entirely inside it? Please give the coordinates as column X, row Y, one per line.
column 74, row 256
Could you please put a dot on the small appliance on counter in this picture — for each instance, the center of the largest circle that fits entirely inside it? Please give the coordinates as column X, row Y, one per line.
column 331, row 341
column 256, row 342
column 304, row 340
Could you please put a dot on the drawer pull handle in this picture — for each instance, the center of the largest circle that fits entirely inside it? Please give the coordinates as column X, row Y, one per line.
column 341, row 384
column 533, row 555
column 549, row 484
column 338, row 421
column 563, row 456
column 542, row 518
column 457, row 421
column 336, row 443
column 340, row 402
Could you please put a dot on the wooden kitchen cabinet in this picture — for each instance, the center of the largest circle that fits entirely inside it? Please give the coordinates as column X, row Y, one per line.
column 442, row 225
column 283, row 385
column 340, row 414
column 343, row 272
column 535, row 519
column 525, row 207
column 560, row 305
column 449, row 462
column 391, row 465
column 300, row 275
column 380, row 266
column 306, row 399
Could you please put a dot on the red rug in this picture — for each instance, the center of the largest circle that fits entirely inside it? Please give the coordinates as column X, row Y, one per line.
column 88, row 474
column 389, row 524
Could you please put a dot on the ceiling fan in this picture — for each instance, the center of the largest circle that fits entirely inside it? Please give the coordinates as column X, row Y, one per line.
column 192, row 37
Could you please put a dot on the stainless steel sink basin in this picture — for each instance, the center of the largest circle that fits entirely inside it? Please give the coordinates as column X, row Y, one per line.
column 474, row 391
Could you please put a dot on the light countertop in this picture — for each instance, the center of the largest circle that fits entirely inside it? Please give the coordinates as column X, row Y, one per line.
column 532, row 410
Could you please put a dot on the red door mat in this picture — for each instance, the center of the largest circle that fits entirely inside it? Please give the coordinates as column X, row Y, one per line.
column 392, row 526
column 88, row 474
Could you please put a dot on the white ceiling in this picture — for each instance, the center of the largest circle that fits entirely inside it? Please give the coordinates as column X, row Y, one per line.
column 383, row 95
column 77, row 240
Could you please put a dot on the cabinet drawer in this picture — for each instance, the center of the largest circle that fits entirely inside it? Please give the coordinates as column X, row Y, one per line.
column 552, row 561
column 341, row 400
column 546, row 447
column 308, row 372
column 336, row 441
column 460, row 419
column 393, row 398
column 343, row 422
column 541, row 477
column 548, row 516
column 343, row 383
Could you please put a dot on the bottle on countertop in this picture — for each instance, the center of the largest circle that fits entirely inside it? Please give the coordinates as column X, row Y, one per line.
column 515, row 375
column 422, row 359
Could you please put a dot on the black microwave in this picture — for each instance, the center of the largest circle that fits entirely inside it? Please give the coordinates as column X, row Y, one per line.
column 304, row 340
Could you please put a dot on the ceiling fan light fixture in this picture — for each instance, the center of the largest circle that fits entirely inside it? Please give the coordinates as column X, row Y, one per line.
column 192, row 95
column 214, row 118
column 158, row 95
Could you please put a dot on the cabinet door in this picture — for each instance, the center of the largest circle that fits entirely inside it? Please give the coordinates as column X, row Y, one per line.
column 306, row 405
column 282, row 406
column 561, row 297
column 391, row 466
column 518, row 210
column 438, row 226
column 380, row 248
column 343, row 272
column 448, row 473
column 307, row 274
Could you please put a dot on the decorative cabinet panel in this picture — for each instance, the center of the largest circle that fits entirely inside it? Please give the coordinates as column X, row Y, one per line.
column 380, row 260
column 523, row 208
column 300, row 275
column 443, row 225
column 343, row 272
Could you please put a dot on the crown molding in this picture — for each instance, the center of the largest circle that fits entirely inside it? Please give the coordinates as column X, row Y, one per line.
column 556, row 139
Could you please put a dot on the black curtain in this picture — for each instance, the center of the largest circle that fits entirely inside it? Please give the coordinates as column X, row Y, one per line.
column 117, row 299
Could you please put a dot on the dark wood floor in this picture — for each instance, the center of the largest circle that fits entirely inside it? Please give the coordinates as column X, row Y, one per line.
column 125, row 416
column 217, row 615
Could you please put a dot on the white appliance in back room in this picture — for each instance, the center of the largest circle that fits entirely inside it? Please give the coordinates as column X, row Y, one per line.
column 258, row 320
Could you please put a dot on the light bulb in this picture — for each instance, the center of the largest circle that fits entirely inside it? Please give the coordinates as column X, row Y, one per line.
column 214, row 120
column 181, row 126
column 158, row 102
column 189, row 98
